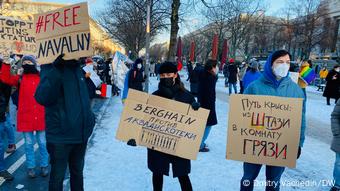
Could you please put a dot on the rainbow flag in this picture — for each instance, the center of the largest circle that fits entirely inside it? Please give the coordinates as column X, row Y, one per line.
column 307, row 74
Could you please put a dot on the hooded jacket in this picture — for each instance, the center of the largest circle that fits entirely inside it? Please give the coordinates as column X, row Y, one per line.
column 268, row 85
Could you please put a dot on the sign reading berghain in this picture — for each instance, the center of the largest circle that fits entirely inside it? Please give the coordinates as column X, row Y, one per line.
column 16, row 36
column 65, row 30
column 162, row 124
column 264, row 129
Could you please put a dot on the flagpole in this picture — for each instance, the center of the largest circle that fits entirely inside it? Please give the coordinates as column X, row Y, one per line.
column 147, row 46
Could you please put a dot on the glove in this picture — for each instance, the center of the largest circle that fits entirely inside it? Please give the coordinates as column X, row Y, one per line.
column 132, row 143
column 195, row 105
column 299, row 153
column 59, row 61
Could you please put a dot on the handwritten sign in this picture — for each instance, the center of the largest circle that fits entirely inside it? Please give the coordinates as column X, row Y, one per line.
column 264, row 129
column 162, row 124
column 65, row 30
column 16, row 36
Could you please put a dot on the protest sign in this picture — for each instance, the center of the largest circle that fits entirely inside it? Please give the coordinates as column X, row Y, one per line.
column 162, row 124
column 264, row 129
column 16, row 36
column 119, row 69
column 93, row 75
column 65, row 30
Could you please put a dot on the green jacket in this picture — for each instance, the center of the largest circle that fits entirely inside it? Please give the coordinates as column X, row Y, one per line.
column 68, row 115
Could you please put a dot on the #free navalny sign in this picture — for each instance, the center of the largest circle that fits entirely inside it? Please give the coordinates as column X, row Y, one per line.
column 65, row 30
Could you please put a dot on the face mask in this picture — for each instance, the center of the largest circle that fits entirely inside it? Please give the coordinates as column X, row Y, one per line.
column 167, row 82
column 139, row 66
column 29, row 69
column 338, row 69
column 281, row 70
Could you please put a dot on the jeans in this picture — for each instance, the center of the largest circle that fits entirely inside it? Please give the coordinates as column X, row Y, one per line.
column 205, row 136
column 234, row 86
column 336, row 171
column 251, row 171
column 9, row 130
column 29, row 148
column 61, row 156
column 2, row 151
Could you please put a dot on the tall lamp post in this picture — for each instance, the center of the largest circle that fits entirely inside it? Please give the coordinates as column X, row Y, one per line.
column 147, row 46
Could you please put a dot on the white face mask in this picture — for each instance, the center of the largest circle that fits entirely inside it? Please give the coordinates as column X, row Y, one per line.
column 338, row 69
column 281, row 70
column 139, row 66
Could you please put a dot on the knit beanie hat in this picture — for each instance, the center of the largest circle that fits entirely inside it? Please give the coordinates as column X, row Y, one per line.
column 168, row 67
column 29, row 58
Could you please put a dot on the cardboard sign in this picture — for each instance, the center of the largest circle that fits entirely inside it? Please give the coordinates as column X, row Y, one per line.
column 264, row 129
column 162, row 124
column 16, row 36
column 65, row 30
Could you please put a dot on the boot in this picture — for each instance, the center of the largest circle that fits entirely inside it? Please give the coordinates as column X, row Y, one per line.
column 6, row 175
column 11, row 148
column 44, row 171
column 31, row 173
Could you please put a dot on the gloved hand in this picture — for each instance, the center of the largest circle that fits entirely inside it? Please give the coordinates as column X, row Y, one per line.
column 132, row 143
column 195, row 105
column 59, row 61
column 299, row 152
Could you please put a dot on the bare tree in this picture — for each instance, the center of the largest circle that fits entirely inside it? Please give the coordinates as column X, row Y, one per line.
column 125, row 21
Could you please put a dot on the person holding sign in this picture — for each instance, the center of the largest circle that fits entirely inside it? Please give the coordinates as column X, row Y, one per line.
column 170, row 87
column 274, row 82
column 69, row 120
column 207, row 97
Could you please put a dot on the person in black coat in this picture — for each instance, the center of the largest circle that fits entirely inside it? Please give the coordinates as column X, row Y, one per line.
column 332, row 89
column 189, row 68
column 170, row 87
column 136, row 78
column 194, row 79
column 68, row 117
column 207, row 97
column 233, row 73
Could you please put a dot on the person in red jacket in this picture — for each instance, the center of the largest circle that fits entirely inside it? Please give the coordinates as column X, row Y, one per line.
column 31, row 116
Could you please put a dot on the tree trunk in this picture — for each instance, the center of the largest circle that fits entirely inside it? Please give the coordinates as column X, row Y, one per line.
column 174, row 29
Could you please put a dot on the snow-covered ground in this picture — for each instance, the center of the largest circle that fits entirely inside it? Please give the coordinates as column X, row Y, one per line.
column 112, row 165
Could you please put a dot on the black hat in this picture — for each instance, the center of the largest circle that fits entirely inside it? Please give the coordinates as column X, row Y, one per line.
column 168, row 67
column 278, row 54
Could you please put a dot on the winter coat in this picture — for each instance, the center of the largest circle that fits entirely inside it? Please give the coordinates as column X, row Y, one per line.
column 90, row 86
column 6, row 83
column 268, row 85
column 136, row 79
column 225, row 70
column 335, row 124
column 332, row 86
column 158, row 162
column 233, row 71
column 249, row 77
column 323, row 74
column 63, row 92
column 207, row 95
column 31, row 115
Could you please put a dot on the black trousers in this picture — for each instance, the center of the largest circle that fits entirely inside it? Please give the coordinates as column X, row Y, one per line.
column 62, row 155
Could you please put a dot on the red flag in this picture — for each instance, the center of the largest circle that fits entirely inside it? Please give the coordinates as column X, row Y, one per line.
column 192, row 51
column 179, row 54
column 224, row 52
column 214, row 48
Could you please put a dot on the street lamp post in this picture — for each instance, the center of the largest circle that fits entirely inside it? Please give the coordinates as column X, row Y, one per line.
column 147, row 46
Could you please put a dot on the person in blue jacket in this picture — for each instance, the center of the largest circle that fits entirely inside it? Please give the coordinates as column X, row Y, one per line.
column 274, row 82
column 252, row 74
